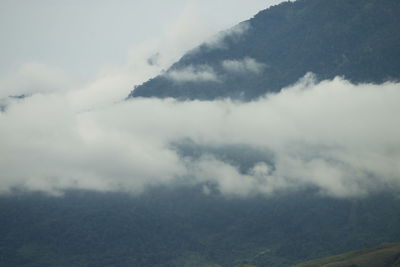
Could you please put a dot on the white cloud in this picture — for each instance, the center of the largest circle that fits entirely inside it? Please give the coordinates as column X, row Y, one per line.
column 243, row 66
column 200, row 73
column 338, row 137
column 218, row 41
column 31, row 78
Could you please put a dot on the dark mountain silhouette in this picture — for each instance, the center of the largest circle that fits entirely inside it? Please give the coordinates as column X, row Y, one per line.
column 357, row 39
column 183, row 227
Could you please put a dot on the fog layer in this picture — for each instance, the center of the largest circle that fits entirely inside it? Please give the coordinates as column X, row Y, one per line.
column 336, row 137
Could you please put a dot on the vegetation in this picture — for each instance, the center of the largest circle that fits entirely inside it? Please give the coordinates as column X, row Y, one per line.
column 357, row 39
column 183, row 227
column 381, row 256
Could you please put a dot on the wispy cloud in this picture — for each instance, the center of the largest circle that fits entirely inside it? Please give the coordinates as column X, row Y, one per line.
column 200, row 73
column 243, row 66
column 218, row 41
column 31, row 78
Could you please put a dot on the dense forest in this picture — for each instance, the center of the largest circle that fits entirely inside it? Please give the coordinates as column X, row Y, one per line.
column 356, row 39
column 182, row 226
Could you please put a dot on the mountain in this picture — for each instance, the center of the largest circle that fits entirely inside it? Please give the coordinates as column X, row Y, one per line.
column 386, row 255
column 356, row 39
column 183, row 227
column 195, row 225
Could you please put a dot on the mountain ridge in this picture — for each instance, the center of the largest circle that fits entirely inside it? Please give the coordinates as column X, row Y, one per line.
column 327, row 38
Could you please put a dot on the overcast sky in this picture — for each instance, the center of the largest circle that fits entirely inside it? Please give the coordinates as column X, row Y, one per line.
column 83, row 36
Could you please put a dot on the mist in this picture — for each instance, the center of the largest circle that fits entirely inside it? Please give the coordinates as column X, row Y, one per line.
column 334, row 136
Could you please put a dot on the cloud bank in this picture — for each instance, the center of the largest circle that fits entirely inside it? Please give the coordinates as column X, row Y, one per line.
column 339, row 138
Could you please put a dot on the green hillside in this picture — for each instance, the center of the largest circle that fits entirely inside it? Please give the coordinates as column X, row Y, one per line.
column 386, row 255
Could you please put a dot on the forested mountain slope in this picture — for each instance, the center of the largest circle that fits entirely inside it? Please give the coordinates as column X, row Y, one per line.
column 357, row 39
column 183, row 227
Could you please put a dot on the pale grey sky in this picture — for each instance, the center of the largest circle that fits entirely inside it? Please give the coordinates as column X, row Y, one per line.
column 83, row 36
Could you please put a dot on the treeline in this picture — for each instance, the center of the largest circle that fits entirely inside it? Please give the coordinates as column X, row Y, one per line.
column 182, row 226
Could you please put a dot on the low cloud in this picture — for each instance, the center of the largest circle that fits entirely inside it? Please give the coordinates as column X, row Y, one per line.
column 200, row 73
column 31, row 78
column 243, row 66
column 334, row 136
column 219, row 41
column 205, row 73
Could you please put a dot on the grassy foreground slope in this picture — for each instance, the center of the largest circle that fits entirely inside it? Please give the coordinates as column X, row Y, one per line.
column 386, row 255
